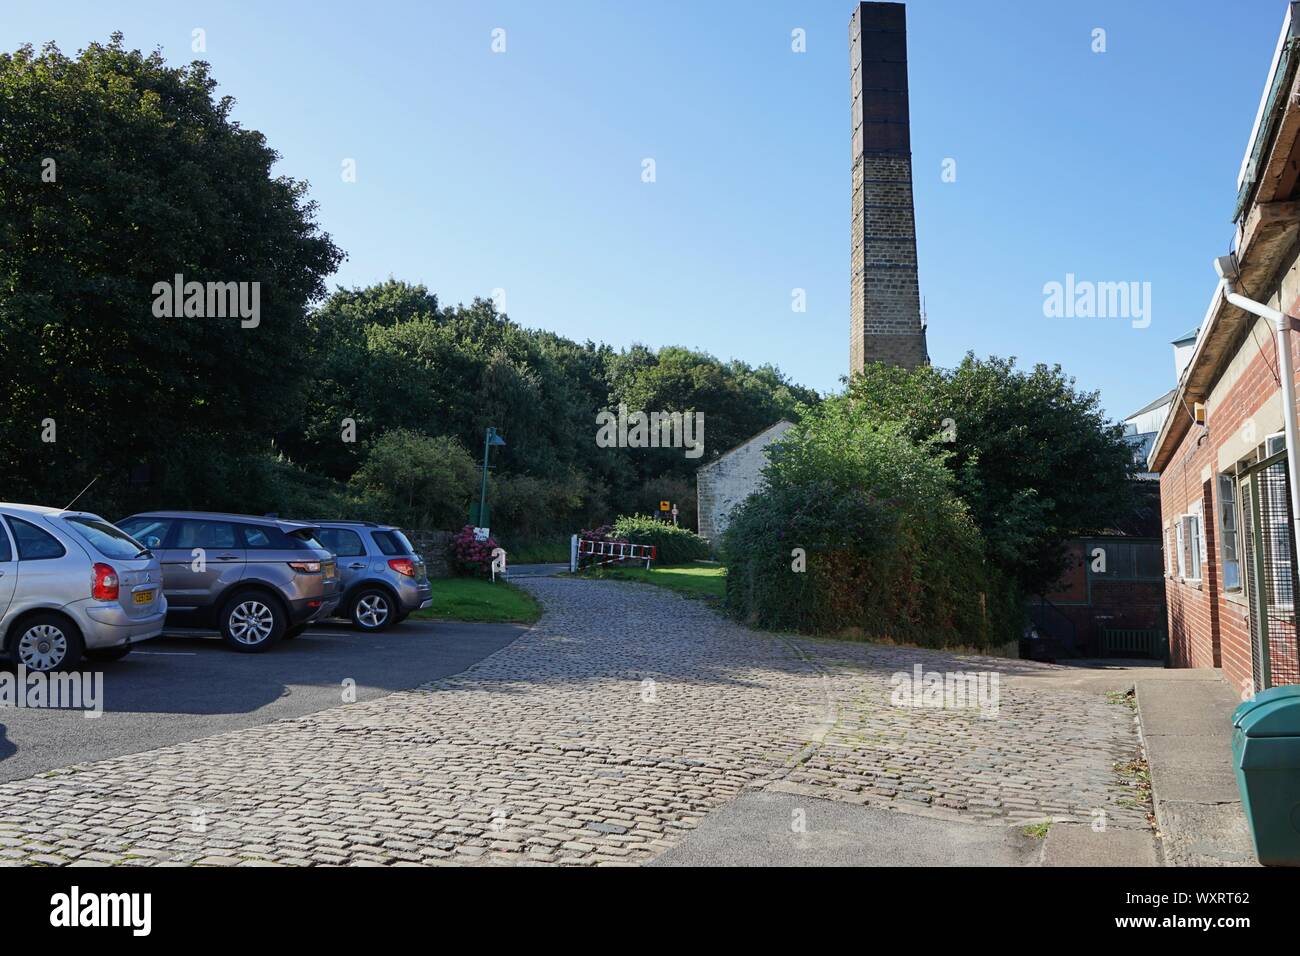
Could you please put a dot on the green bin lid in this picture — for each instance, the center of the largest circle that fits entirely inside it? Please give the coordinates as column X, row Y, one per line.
column 1271, row 713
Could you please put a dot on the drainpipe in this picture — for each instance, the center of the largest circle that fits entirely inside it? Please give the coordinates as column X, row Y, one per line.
column 1282, row 323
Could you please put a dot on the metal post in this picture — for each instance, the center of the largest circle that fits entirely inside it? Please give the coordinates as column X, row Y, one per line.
column 482, row 501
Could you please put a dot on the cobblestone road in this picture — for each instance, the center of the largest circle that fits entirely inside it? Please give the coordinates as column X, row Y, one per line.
column 598, row 737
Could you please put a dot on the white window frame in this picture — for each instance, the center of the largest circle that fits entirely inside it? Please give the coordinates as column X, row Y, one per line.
column 1191, row 544
column 1182, row 552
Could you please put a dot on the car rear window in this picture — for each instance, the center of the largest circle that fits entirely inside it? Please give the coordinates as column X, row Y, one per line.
column 103, row 537
column 392, row 542
column 306, row 538
column 258, row 537
column 344, row 543
column 33, row 543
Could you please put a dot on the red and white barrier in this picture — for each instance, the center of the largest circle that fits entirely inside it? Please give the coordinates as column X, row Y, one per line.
column 590, row 554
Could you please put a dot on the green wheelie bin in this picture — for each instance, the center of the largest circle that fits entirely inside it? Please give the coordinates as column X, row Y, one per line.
column 1266, row 756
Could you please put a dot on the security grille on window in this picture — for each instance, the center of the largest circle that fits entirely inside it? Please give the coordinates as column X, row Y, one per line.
column 1171, row 551
column 1228, row 533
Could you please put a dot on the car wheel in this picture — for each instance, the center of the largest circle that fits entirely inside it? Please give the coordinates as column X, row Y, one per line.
column 103, row 654
column 47, row 642
column 372, row 610
column 250, row 623
column 292, row 632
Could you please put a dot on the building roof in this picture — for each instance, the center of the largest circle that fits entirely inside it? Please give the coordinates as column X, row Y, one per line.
column 783, row 424
column 1164, row 399
column 1187, row 336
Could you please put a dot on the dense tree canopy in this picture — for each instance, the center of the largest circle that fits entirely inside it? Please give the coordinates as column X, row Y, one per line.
column 391, row 356
column 118, row 172
column 1032, row 456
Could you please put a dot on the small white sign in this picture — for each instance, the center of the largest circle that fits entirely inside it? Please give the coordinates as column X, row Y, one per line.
column 482, row 534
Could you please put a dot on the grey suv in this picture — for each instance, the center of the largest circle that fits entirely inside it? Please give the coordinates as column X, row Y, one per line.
column 256, row 580
column 71, row 584
column 383, row 578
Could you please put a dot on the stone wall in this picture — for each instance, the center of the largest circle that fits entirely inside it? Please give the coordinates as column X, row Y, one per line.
column 433, row 547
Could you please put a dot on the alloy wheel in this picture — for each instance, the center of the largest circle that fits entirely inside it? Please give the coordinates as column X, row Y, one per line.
column 251, row 622
column 372, row 611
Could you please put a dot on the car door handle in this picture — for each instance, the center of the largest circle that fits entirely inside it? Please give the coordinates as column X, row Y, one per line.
column 227, row 557
column 357, row 567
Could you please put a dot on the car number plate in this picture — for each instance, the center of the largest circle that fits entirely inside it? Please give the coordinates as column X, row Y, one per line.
column 143, row 597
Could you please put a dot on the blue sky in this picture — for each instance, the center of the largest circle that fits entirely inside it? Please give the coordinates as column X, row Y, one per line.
column 521, row 170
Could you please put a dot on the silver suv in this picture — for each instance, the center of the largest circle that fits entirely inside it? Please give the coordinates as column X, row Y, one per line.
column 384, row 580
column 256, row 580
column 72, row 585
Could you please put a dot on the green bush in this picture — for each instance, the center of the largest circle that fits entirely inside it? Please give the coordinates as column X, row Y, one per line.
column 888, row 549
column 417, row 481
column 673, row 544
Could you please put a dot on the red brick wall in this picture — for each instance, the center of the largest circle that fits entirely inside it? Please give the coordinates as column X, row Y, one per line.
column 1117, row 604
column 1073, row 586
column 1207, row 628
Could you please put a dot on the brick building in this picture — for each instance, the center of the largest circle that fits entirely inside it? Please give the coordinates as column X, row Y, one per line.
column 1230, row 573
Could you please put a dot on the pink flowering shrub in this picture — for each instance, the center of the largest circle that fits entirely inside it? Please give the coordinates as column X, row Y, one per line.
column 470, row 557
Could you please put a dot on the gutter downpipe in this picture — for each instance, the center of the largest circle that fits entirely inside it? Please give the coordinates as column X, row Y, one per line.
column 1282, row 323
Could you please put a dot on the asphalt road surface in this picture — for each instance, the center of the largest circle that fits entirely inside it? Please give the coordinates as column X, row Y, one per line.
column 777, row 829
column 173, row 689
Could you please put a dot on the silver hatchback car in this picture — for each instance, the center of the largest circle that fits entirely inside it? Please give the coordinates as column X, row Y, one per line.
column 73, row 585
column 384, row 579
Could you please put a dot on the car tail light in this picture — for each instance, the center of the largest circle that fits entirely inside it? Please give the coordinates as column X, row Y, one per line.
column 305, row 567
column 103, row 586
column 402, row 566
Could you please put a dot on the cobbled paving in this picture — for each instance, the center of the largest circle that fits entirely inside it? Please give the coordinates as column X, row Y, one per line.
column 598, row 737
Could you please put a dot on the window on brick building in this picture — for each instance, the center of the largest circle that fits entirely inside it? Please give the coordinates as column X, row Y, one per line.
column 1124, row 560
column 1229, row 538
column 1189, row 547
column 1171, row 551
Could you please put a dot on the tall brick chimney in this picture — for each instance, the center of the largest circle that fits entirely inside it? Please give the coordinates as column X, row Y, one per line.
column 885, row 298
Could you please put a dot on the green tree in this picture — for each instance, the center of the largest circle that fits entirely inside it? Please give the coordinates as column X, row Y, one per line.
column 418, row 481
column 390, row 356
column 860, row 531
column 1032, row 456
column 118, row 172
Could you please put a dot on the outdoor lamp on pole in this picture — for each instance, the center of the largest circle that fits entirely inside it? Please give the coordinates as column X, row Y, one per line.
column 490, row 438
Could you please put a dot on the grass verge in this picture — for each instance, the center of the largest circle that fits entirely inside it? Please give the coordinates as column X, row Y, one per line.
column 473, row 599
column 703, row 581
